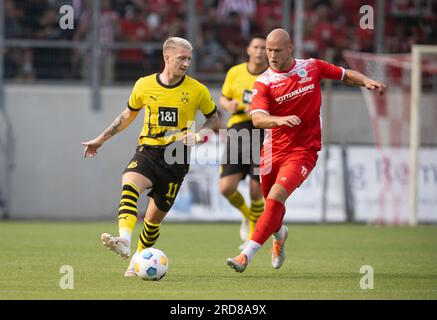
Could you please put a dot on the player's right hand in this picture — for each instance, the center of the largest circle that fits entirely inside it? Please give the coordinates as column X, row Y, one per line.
column 233, row 106
column 91, row 147
column 289, row 121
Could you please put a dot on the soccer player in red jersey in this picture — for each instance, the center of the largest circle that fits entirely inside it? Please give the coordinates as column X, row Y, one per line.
column 286, row 102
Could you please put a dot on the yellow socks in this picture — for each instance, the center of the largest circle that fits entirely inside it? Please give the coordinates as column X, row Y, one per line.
column 256, row 209
column 127, row 211
column 237, row 200
column 148, row 236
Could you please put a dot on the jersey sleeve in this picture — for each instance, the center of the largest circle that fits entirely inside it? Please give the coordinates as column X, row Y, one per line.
column 330, row 71
column 206, row 105
column 135, row 103
column 260, row 98
column 227, row 85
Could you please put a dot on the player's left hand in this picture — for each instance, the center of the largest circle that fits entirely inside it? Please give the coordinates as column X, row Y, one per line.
column 373, row 84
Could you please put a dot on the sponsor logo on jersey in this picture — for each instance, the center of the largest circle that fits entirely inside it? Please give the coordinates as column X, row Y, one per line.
column 280, row 84
column 294, row 93
column 247, row 96
column 304, row 80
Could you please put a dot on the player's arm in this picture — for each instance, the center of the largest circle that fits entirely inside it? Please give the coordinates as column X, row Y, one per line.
column 261, row 117
column 262, row 120
column 229, row 105
column 201, row 136
column 208, row 126
column 356, row 78
column 119, row 124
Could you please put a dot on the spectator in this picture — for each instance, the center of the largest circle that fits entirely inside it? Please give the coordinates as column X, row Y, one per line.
column 50, row 63
column 109, row 30
column 246, row 10
column 268, row 12
column 231, row 37
column 12, row 29
column 134, row 29
column 214, row 58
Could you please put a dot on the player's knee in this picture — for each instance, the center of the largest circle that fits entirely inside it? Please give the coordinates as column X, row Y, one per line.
column 227, row 190
column 278, row 193
column 255, row 190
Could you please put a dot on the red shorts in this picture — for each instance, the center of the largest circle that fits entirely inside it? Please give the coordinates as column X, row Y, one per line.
column 289, row 171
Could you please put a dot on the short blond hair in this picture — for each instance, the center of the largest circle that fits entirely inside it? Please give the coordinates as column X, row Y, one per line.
column 176, row 42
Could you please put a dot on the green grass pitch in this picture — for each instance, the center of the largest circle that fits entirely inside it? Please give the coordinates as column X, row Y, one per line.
column 323, row 262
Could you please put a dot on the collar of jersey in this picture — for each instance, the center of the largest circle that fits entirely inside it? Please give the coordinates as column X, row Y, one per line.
column 252, row 73
column 169, row 86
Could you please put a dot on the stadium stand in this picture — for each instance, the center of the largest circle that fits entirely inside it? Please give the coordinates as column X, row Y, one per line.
column 221, row 30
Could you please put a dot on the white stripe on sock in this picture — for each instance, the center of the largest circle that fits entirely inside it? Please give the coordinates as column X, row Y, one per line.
column 126, row 234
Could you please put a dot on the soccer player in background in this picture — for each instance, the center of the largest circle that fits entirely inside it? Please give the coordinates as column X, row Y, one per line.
column 286, row 101
column 170, row 100
column 236, row 99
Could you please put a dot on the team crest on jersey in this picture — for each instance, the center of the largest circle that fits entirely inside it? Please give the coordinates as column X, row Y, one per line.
column 302, row 73
column 184, row 98
column 133, row 164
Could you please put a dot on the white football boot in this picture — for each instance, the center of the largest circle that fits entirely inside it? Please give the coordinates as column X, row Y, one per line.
column 130, row 271
column 278, row 252
column 117, row 244
column 238, row 263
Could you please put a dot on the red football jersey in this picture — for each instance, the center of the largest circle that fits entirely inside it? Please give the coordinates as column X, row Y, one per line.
column 294, row 92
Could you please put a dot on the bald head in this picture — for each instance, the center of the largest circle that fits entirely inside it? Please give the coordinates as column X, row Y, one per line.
column 279, row 35
column 279, row 50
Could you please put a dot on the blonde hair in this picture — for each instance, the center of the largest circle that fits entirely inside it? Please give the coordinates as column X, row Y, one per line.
column 175, row 42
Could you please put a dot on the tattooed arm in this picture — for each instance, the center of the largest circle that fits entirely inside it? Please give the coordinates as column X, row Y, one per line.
column 119, row 124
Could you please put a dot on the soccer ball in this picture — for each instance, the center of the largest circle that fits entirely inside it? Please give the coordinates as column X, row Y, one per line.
column 151, row 264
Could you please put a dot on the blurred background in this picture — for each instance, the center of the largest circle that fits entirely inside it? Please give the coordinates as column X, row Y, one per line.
column 61, row 84
column 130, row 33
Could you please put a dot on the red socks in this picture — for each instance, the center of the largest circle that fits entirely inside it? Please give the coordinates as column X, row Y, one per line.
column 270, row 221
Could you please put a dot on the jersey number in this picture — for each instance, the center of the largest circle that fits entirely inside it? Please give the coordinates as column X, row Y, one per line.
column 168, row 117
column 172, row 190
column 247, row 96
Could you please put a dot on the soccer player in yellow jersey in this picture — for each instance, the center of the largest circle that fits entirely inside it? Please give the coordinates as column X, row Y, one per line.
column 236, row 99
column 170, row 100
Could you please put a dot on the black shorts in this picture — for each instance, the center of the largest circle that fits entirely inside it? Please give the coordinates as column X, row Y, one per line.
column 166, row 179
column 243, row 148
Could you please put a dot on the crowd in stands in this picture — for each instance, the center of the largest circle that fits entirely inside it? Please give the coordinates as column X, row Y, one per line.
column 222, row 30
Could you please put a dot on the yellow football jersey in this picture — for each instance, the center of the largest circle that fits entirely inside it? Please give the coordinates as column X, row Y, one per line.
column 238, row 85
column 168, row 110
